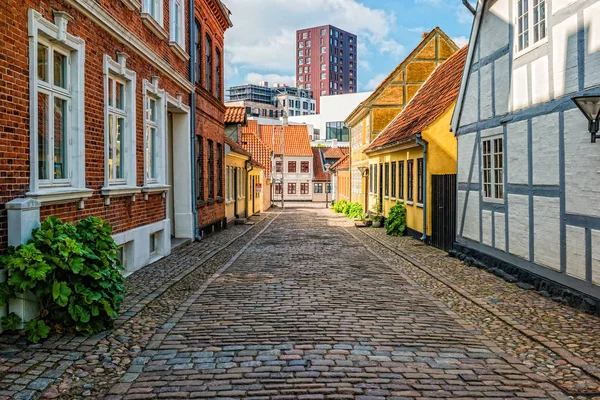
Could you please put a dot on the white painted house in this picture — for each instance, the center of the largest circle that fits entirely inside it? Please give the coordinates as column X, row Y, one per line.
column 528, row 174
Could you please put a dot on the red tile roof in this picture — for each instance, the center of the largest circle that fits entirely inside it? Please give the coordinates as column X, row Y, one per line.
column 295, row 138
column 235, row 146
column 336, row 152
column 235, row 115
column 343, row 164
column 429, row 103
column 319, row 172
column 260, row 153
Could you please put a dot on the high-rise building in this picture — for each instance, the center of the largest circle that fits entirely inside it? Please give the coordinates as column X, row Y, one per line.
column 326, row 61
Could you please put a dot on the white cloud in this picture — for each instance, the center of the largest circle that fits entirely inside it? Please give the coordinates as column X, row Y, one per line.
column 255, row 78
column 460, row 40
column 263, row 35
column 374, row 82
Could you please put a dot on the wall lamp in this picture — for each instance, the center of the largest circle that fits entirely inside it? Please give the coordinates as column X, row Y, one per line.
column 590, row 107
column 364, row 171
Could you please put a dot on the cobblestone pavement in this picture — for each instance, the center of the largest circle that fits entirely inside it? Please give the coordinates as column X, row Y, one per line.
column 307, row 311
column 556, row 341
column 68, row 366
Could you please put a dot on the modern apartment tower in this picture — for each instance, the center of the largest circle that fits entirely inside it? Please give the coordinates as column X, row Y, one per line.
column 326, row 61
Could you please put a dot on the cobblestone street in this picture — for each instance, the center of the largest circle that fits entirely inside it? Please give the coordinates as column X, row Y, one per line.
column 302, row 305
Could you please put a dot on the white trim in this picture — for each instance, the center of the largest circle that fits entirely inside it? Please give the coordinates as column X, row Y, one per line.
column 97, row 14
column 492, row 183
column 133, row 5
column 38, row 27
column 532, row 45
column 117, row 70
column 179, row 51
column 158, row 6
column 180, row 40
column 151, row 23
column 119, row 191
column 151, row 90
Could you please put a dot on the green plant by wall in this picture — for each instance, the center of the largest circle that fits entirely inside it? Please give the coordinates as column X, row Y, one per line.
column 354, row 210
column 73, row 272
column 395, row 224
column 340, row 206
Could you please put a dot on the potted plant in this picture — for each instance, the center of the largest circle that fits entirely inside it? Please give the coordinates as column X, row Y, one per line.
column 376, row 216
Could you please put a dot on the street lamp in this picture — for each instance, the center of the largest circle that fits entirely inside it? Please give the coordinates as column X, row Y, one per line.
column 590, row 107
column 327, row 166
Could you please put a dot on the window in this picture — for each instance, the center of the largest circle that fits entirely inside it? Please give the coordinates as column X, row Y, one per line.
column 308, row 43
column 177, row 26
column 410, row 182
column 154, row 9
column 386, row 183
column 337, row 130
column 154, row 125
column 219, row 170
column 318, row 189
column 300, row 45
column 291, row 166
column 304, row 188
column 119, row 100
column 211, row 170
column 375, row 190
column 198, row 48
column 401, row 179
column 301, row 61
column 323, row 49
column 304, row 167
column 323, row 92
column 492, row 154
column 291, row 188
column 328, row 188
column 199, row 168
column 56, row 92
column 308, row 60
column 153, row 247
column 323, row 32
column 372, row 179
column 393, row 178
column 420, row 180
column 217, row 74
column 290, row 103
column 278, row 188
column 304, row 35
column 278, row 166
column 323, row 67
column 531, row 17
column 300, row 53
column 208, row 64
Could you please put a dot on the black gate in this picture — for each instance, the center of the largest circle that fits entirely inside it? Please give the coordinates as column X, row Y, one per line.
column 443, row 230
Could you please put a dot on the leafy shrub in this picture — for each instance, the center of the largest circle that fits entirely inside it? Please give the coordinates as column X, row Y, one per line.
column 354, row 210
column 340, row 206
column 74, row 273
column 395, row 224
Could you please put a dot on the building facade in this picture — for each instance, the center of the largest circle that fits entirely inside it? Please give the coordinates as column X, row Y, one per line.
column 260, row 173
column 341, row 179
column 326, row 61
column 374, row 114
column 262, row 101
column 526, row 168
column 211, row 20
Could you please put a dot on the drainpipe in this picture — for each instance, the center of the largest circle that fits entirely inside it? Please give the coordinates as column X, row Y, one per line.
column 246, row 191
column 423, row 143
column 192, row 38
column 469, row 6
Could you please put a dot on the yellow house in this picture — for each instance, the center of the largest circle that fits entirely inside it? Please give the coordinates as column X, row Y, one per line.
column 237, row 163
column 256, row 189
column 416, row 145
column 371, row 117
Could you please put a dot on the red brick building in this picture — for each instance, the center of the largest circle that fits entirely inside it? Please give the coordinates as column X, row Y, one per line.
column 95, row 117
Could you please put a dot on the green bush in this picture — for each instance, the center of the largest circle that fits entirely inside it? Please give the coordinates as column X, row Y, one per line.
column 340, row 206
column 74, row 273
column 395, row 224
column 354, row 210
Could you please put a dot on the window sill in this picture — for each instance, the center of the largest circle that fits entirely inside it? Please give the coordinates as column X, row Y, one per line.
column 410, row 203
column 153, row 189
column 392, row 198
column 150, row 23
column 386, row 197
column 229, row 202
column 119, row 191
column 200, row 203
column 61, row 195
column 210, row 201
column 219, row 199
column 133, row 5
column 492, row 200
column 420, row 205
column 179, row 50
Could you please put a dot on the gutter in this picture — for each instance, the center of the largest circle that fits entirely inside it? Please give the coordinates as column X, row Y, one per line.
column 469, row 6
column 192, row 30
column 423, row 143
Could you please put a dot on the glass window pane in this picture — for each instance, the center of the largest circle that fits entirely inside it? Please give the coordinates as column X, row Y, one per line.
column 43, row 136
column 119, row 148
column 42, row 62
column 111, row 147
column 151, row 153
column 60, row 139
column 120, row 96
column 152, row 110
column 60, row 70
column 111, row 83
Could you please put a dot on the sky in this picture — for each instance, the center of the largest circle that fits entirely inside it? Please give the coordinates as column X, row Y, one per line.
column 261, row 44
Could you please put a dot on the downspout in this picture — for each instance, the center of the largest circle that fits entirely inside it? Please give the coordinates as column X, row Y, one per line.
column 469, row 6
column 192, row 39
column 246, row 191
column 423, row 143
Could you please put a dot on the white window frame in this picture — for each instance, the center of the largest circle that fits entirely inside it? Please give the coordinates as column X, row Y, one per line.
column 493, row 168
column 116, row 71
column 158, row 6
column 56, row 37
column 530, row 26
column 152, row 91
column 177, row 33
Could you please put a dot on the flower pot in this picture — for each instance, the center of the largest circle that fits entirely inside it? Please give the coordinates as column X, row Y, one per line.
column 376, row 224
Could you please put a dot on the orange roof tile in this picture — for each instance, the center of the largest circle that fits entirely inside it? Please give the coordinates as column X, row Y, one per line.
column 235, row 146
column 319, row 171
column 295, row 138
column 343, row 164
column 336, row 152
column 260, row 153
column 235, row 115
column 429, row 103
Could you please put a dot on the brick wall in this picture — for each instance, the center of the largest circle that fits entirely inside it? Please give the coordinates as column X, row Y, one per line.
column 122, row 213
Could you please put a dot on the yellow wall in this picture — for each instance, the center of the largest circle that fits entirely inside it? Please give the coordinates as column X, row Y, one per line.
column 238, row 163
column 441, row 159
column 255, row 199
